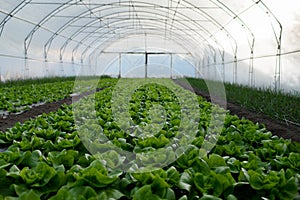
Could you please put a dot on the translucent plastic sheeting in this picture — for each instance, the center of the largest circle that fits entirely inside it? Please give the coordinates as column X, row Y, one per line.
column 242, row 40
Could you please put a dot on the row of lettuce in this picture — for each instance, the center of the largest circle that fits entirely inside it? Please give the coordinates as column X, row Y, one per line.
column 18, row 96
column 77, row 153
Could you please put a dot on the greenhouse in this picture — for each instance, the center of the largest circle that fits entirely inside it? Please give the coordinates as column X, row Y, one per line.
column 160, row 99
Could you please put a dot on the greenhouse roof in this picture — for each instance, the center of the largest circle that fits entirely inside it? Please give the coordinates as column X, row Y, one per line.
column 205, row 32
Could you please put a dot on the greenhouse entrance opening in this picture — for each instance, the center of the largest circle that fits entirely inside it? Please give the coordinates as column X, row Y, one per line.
column 146, row 64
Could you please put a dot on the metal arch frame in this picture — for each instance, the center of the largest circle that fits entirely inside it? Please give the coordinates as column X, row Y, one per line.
column 251, row 41
column 64, row 26
column 221, row 28
column 49, row 16
column 75, row 17
column 92, row 42
column 191, row 20
column 122, row 37
column 28, row 38
column 230, row 37
column 128, row 32
column 62, row 5
column 62, row 49
column 218, row 25
column 125, row 36
column 56, row 11
column 19, row 7
column 221, row 53
column 74, row 20
column 115, row 28
column 108, row 33
column 277, row 75
column 113, row 31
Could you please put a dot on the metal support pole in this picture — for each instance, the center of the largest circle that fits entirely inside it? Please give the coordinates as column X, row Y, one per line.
column 199, row 69
column 208, row 69
column 26, row 74
column 251, row 71
column 95, row 67
column 73, row 67
column 61, row 65
column 46, row 73
column 203, row 66
column 215, row 66
column 196, row 69
column 81, row 68
column 146, row 65
column 120, row 65
column 235, row 70
column 278, row 70
column 46, row 69
column 62, row 68
column 223, row 66
column 171, row 66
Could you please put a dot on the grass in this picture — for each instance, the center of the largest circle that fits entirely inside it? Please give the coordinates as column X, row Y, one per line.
column 277, row 105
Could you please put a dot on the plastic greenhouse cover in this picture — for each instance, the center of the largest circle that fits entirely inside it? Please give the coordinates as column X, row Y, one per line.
column 47, row 33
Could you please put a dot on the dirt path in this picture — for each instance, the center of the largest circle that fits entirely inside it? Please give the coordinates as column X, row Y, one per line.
column 279, row 128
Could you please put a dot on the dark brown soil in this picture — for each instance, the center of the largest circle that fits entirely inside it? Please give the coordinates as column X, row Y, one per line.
column 279, row 128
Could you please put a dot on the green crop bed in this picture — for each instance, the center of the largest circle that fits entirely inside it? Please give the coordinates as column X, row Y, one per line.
column 74, row 153
column 19, row 96
column 278, row 105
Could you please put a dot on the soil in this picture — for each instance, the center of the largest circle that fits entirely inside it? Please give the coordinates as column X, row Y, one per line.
column 287, row 131
column 279, row 128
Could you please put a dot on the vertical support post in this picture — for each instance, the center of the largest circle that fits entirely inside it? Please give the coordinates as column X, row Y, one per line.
column 196, row 69
column 146, row 65
column 26, row 74
column 62, row 68
column 46, row 69
column 215, row 66
column 251, row 71
column 61, row 65
column 81, row 68
column 278, row 69
column 171, row 66
column 90, row 67
column 26, row 67
column 46, row 73
column 199, row 69
column 235, row 70
column 120, row 65
column 95, row 67
column 74, row 72
column 146, row 57
column 223, row 66
column 208, row 69
column 203, row 66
